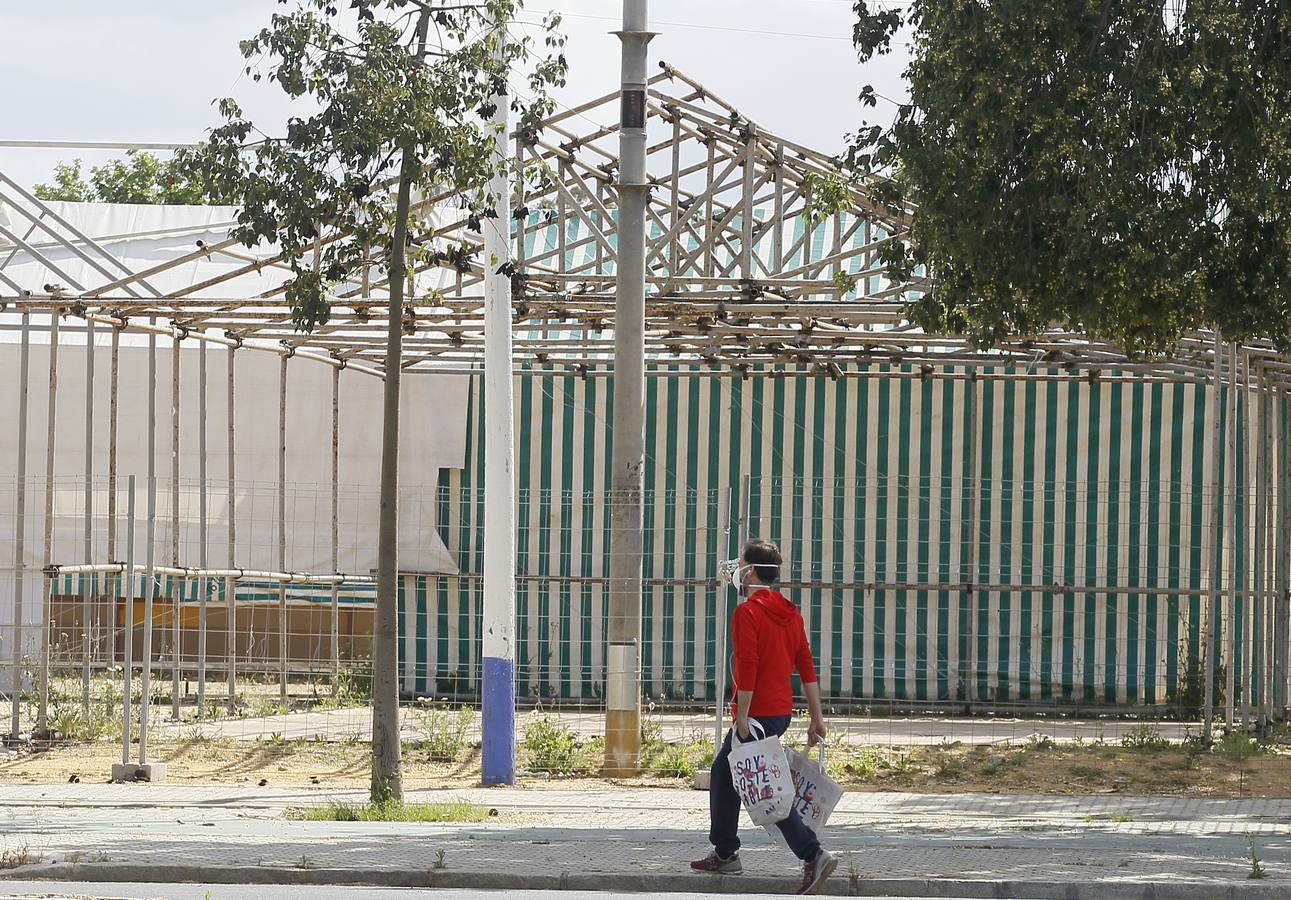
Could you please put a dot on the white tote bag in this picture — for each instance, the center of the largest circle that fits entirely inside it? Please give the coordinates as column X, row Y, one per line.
column 815, row 794
column 760, row 772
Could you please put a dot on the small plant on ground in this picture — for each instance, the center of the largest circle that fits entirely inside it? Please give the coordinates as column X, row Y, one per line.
column 17, row 857
column 445, row 732
column 393, row 811
column 439, row 860
column 1145, row 738
column 352, row 687
column 1257, row 868
column 1238, row 746
column 1121, row 816
column 550, row 746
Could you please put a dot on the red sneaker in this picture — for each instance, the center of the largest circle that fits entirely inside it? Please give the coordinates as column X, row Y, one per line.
column 815, row 871
column 718, row 865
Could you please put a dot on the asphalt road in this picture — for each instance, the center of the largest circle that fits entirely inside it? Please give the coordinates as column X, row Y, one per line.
column 36, row 890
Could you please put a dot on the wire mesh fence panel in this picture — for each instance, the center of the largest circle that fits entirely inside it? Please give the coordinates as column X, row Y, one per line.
column 975, row 563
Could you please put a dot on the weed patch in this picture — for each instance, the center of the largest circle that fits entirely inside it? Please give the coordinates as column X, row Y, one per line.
column 550, row 746
column 393, row 812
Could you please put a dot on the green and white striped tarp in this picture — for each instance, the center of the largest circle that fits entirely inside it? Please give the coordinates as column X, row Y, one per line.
column 887, row 512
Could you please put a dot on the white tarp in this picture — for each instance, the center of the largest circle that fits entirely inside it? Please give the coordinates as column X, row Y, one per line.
column 432, row 437
column 433, row 418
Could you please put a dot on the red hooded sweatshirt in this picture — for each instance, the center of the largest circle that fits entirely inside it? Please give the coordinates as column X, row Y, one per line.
column 768, row 642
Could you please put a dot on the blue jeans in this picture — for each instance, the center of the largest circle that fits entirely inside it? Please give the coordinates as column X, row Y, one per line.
column 724, row 805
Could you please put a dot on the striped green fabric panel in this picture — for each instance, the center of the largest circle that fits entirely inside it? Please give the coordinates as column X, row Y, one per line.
column 867, row 486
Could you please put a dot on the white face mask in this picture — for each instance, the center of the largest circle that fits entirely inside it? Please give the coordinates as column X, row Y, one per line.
column 732, row 570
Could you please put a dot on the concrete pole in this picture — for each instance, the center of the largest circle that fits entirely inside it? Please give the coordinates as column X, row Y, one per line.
column 42, row 711
column 623, row 676
column 20, row 530
column 498, row 686
column 87, row 579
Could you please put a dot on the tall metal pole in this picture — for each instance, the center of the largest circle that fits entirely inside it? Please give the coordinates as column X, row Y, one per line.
column 498, row 685
column 177, row 593
column 336, row 532
column 149, row 596
column 20, row 530
column 150, row 555
column 42, row 712
column 282, row 533
column 87, row 578
column 203, row 532
column 114, row 384
column 230, row 593
column 623, row 676
column 1213, row 562
column 969, row 662
column 127, row 672
column 1230, row 618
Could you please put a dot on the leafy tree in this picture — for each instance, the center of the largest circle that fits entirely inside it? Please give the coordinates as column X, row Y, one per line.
column 398, row 109
column 1122, row 169
column 139, row 178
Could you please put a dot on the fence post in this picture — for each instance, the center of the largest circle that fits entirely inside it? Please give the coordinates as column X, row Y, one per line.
column 149, row 595
column 1214, row 560
column 42, row 712
column 87, row 578
column 720, row 626
column 20, row 529
column 127, row 673
column 968, row 676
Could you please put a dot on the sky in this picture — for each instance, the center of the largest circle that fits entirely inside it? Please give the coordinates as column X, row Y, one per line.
column 147, row 70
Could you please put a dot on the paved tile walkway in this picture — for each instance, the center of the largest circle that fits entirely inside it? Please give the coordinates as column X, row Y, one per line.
column 655, row 832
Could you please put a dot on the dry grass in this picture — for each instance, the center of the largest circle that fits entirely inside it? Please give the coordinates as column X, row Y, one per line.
column 1042, row 769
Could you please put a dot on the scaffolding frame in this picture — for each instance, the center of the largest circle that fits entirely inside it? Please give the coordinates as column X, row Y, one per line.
column 736, row 288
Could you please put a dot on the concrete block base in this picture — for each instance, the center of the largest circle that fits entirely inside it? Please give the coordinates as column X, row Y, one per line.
column 702, row 780
column 136, row 772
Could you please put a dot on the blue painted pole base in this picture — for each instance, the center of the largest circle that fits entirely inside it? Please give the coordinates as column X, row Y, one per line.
column 498, row 721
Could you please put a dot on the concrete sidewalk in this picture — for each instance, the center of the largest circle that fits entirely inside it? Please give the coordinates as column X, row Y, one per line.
column 924, row 845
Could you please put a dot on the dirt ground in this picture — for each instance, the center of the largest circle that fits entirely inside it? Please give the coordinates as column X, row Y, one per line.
column 1035, row 769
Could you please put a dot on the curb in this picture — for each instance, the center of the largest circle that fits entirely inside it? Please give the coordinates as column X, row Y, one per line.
column 969, row 889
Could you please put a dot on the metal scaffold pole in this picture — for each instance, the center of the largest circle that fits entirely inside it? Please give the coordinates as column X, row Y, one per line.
column 498, row 687
column 87, row 600
column 42, row 712
column 204, row 530
column 282, row 533
column 20, row 531
column 623, row 675
column 176, row 584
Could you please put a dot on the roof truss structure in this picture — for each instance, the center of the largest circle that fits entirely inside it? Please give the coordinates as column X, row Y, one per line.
column 742, row 275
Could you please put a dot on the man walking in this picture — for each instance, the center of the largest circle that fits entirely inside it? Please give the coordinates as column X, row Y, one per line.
column 768, row 642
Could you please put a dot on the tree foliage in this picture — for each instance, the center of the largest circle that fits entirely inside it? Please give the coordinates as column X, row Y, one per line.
column 382, row 92
column 139, row 178
column 1122, row 169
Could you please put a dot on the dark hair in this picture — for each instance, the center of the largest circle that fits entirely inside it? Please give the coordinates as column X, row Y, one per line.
column 765, row 558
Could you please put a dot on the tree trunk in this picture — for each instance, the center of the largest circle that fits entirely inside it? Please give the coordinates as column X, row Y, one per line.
column 387, row 769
